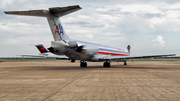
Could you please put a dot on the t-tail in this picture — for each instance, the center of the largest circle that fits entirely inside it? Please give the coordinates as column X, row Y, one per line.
column 52, row 16
column 41, row 48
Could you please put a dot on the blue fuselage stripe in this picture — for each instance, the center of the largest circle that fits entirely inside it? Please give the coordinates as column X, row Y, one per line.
column 108, row 50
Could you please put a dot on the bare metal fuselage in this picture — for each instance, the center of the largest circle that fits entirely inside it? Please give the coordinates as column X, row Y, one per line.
column 88, row 52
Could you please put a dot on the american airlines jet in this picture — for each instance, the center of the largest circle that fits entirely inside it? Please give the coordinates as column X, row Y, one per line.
column 75, row 49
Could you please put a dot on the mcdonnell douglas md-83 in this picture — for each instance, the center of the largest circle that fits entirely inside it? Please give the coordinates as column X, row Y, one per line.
column 75, row 49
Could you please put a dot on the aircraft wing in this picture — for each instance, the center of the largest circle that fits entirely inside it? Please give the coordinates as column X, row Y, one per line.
column 46, row 56
column 132, row 57
column 58, row 56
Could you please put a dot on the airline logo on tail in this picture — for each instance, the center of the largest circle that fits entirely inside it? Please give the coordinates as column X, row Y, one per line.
column 41, row 48
column 59, row 29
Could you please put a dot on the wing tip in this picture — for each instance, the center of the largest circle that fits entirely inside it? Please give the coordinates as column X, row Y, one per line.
column 173, row 54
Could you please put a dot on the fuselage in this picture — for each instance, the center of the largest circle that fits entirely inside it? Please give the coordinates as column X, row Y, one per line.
column 107, row 50
column 87, row 51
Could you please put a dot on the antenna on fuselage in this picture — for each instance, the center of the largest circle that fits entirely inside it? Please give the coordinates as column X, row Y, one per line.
column 129, row 48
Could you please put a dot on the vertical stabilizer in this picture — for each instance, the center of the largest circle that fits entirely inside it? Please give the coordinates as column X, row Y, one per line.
column 41, row 48
column 57, row 28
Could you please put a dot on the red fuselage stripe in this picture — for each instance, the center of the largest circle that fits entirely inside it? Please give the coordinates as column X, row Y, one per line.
column 113, row 54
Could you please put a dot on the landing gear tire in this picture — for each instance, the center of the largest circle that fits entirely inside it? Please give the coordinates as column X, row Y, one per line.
column 106, row 64
column 83, row 64
column 125, row 63
column 73, row 60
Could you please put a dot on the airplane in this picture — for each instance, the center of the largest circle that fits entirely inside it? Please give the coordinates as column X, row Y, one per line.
column 76, row 49
column 44, row 53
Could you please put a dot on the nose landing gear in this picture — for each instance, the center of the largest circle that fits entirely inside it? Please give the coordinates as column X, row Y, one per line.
column 125, row 63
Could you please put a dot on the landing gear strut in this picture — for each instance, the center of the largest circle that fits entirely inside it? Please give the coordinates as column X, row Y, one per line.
column 125, row 63
column 106, row 64
column 83, row 64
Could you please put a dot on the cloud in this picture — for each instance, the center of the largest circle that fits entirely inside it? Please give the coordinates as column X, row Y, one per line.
column 172, row 14
column 140, row 8
column 158, row 41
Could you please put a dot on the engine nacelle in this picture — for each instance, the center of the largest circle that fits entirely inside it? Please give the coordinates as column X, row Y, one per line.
column 72, row 45
column 89, row 49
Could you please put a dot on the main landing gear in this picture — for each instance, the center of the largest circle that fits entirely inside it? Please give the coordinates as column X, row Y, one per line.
column 83, row 64
column 125, row 63
column 106, row 64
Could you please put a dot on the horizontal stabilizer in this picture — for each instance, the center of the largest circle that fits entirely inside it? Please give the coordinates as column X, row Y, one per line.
column 28, row 13
column 61, row 11
column 56, row 11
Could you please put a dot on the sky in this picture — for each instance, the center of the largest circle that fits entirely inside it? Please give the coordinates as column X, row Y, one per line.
column 151, row 27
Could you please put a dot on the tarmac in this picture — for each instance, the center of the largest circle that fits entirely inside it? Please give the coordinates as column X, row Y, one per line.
column 65, row 81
